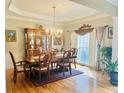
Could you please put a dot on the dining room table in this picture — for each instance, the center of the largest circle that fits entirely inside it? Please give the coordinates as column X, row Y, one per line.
column 35, row 59
column 32, row 61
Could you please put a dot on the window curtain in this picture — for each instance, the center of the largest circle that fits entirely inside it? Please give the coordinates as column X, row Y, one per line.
column 100, row 31
column 83, row 32
column 84, row 29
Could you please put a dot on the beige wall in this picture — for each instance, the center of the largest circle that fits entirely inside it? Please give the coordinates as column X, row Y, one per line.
column 67, row 39
column 115, row 39
column 95, row 23
column 17, row 47
column 71, row 37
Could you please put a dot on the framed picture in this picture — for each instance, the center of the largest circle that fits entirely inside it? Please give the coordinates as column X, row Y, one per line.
column 58, row 40
column 10, row 35
column 110, row 32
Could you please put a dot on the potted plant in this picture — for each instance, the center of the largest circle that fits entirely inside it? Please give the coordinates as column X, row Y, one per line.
column 111, row 67
column 106, row 53
column 62, row 49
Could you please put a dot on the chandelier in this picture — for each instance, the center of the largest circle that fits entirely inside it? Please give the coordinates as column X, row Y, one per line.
column 54, row 30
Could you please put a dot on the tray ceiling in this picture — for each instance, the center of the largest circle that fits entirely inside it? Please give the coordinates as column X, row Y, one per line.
column 66, row 10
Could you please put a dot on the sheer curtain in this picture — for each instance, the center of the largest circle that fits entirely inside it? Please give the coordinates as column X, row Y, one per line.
column 100, row 31
column 84, row 42
column 95, row 43
column 83, row 49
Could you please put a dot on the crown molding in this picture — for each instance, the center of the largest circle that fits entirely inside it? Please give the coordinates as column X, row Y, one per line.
column 99, row 5
column 113, row 2
column 88, row 18
column 29, row 16
column 84, row 19
column 23, row 13
column 32, row 20
column 19, row 14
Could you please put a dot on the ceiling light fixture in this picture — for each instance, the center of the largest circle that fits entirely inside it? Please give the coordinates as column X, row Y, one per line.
column 54, row 30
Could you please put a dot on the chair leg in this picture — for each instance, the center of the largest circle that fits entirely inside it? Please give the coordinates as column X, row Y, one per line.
column 48, row 74
column 64, row 71
column 70, row 69
column 39, row 76
column 33, row 74
column 26, row 72
column 30, row 74
column 24, row 69
column 74, row 63
column 56, row 67
column 14, row 76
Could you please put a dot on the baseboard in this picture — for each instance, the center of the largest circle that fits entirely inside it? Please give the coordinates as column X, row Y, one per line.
column 86, row 66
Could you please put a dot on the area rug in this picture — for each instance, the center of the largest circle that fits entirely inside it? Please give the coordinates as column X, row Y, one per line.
column 54, row 76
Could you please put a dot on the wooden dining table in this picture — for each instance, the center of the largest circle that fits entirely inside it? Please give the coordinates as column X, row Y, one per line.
column 35, row 59
column 32, row 60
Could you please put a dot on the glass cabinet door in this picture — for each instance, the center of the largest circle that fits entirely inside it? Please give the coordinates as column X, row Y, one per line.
column 41, row 41
column 49, row 42
column 44, row 39
column 31, row 40
column 38, row 40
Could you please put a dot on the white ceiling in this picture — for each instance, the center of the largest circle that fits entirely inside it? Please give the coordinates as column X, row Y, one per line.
column 114, row 2
column 66, row 10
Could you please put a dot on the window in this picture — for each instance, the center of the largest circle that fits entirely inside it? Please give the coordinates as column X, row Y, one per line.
column 83, row 49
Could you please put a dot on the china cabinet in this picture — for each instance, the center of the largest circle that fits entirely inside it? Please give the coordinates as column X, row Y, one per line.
column 35, row 41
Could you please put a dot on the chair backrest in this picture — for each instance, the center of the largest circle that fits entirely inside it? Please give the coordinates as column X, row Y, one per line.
column 74, row 52
column 50, row 56
column 66, row 54
column 54, row 51
column 13, row 60
column 33, row 52
column 46, row 59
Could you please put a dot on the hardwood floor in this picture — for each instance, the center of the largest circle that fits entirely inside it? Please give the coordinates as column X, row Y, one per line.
column 89, row 82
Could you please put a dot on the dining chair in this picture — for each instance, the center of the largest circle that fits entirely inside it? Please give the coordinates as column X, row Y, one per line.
column 54, row 59
column 73, row 55
column 43, row 65
column 65, row 62
column 18, row 66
